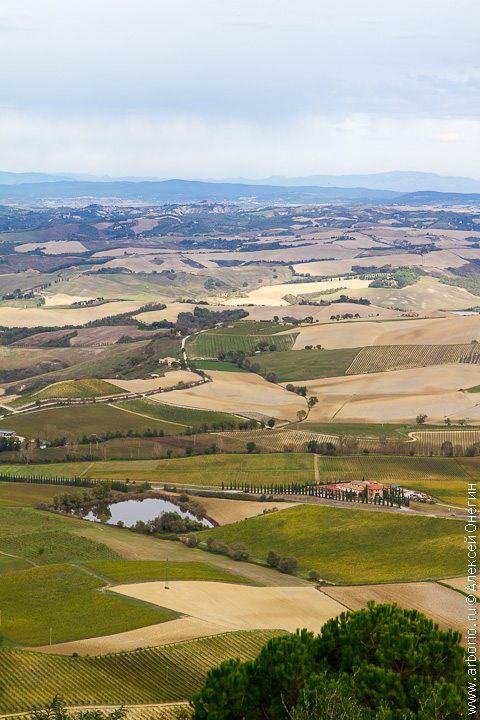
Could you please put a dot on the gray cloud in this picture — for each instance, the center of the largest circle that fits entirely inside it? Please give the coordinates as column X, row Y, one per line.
column 268, row 67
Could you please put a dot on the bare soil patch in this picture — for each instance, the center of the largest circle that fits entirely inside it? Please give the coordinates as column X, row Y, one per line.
column 239, row 393
column 446, row 607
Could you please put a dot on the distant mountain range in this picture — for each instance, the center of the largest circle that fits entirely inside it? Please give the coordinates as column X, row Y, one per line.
column 31, row 187
column 398, row 181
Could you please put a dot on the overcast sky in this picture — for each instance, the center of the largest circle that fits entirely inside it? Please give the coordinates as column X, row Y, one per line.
column 223, row 88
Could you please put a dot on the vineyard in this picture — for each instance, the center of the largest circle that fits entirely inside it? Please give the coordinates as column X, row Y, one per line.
column 162, row 674
column 401, row 357
column 445, row 442
column 208, row 345
column 83, row 388
column 473, row 354
column 200, row 470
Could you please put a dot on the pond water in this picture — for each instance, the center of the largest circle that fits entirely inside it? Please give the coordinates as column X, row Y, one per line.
column 465, row 312
column 130, row 511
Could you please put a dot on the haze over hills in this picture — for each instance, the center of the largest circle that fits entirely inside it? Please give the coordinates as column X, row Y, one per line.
column 399, row 181
column 395, row 181
column 182, row 191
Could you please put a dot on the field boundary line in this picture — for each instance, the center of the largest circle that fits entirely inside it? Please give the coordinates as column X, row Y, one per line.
column 149, row 417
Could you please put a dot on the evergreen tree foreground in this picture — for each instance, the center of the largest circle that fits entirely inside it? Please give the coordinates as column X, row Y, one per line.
column 379, row 663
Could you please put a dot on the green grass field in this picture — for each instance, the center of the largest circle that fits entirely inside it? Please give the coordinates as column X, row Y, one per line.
column 25, row 494
column 126, row 571
column 66, row 599
column 354, row 546
column 307, row 364
column 154, row 675
column 218, row 365
column 182, row 417
column 208, row 345
column 90, row 387
column 43, row 537
column 74, row 422
column 202, row 470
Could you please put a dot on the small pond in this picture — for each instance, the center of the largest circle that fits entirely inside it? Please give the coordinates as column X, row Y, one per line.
column 464, row 312
column 129, row 512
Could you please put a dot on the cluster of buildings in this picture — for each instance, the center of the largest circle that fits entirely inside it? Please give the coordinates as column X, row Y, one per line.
column 376, row 489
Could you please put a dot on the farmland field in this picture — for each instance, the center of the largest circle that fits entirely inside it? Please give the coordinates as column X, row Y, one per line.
column 161, row 674
column 427, row 440
column 218, row 365
column 307, row 364
column 66, row 599
column 203, row 471
column 399, row 357
column 208, row 345
column 43, row 538
column 82, row 388
column 353, row 546
column 127, row 571
column 183, row 417
column 444, row 478
column 74, row 422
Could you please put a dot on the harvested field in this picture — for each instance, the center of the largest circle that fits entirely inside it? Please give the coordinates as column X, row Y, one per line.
column 53, row 247
column 64, row 299
column 109, row 335
column 460, row 583
column 170, row 379
column 274, row 294
column 225, row 607
column 398, row 357
column 321, row 314
column 437, row 260
column 225, row 512
column 445, row 607
column 427, row 295
column 50, row 317
column 398, row 396
column 434, row 331
column 239, row 393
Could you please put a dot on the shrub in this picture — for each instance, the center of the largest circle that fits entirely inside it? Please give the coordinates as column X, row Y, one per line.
column 273, row 559
column 288, row 565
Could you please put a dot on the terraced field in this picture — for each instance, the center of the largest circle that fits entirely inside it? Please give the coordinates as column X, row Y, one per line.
column 399, row 357
column 208, row 345
column 161, row 674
